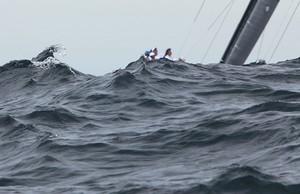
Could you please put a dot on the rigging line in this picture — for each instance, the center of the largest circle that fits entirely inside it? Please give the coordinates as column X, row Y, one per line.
column 278, row 30
column 217, row 33
column 191, row 28
column 193, row 48
column 219, row 16
column 196, row 18
column 285, row 30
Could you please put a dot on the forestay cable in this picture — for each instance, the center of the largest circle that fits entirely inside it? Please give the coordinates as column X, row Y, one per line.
column 217, row 33
column 196, row 18
column 215, row 21
column 220, row 15
column 285, row 30
column 191, row 28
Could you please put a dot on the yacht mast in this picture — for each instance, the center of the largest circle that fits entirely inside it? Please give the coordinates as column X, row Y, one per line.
column 251, row 26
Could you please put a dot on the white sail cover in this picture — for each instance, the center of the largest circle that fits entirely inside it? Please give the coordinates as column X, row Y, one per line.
column 253, row 23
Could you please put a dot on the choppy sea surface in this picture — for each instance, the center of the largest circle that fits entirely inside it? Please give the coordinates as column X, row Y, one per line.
column 158, row 127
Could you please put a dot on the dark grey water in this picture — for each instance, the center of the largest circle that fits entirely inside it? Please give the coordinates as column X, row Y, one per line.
column 153, row 127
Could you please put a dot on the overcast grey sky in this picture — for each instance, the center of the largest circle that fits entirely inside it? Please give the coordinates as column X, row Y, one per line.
column 104, row 35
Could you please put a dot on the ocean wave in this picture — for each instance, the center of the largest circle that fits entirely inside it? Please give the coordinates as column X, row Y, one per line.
column 251, row 180
column 123, row 80
column 57, row 115
column 153, row 127
column 274, row 106
column 246, row 180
